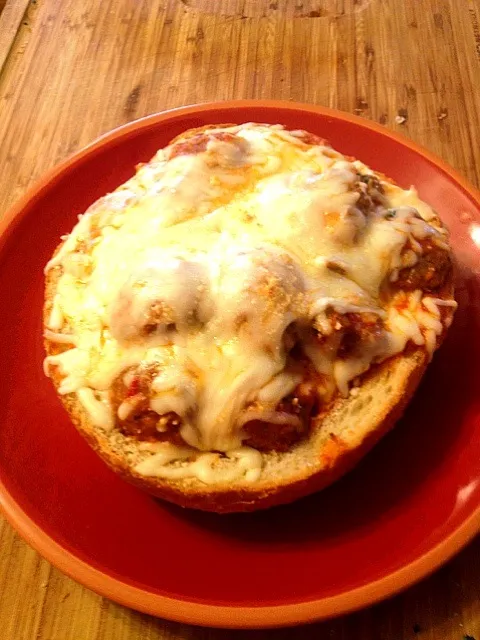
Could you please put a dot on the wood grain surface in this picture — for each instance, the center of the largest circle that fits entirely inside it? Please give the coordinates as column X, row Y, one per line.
column 72, row 70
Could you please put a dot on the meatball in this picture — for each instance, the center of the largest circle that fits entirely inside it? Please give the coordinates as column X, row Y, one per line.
column 371, row 192
column 354, row 331
column 256, row 294
column 301, row 405
column 360, row 329
column 165, row 295
column 266, row 436
column 130, row 397
column 429, row 273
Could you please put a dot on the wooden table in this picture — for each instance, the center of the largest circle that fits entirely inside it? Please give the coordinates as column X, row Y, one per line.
column 71, row 70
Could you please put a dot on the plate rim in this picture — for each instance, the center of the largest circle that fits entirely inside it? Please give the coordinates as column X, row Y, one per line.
column 214, row 615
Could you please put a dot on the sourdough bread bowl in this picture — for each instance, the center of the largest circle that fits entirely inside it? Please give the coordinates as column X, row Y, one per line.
column 239, row 323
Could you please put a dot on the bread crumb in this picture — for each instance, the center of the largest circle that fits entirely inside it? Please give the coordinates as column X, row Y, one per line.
column 400, row 119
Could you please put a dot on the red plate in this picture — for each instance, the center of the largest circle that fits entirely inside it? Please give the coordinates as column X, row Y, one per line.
column 411, row 504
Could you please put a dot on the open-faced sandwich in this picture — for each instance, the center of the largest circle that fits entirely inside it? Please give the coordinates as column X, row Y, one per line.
column 237, row 325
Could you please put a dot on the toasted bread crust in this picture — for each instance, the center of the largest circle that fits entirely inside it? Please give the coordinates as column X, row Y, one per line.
column 337, row 440
column 336, row 443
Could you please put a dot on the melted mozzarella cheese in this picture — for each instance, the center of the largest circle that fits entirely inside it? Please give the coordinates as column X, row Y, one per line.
column 243, row 462
column 202, row 261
